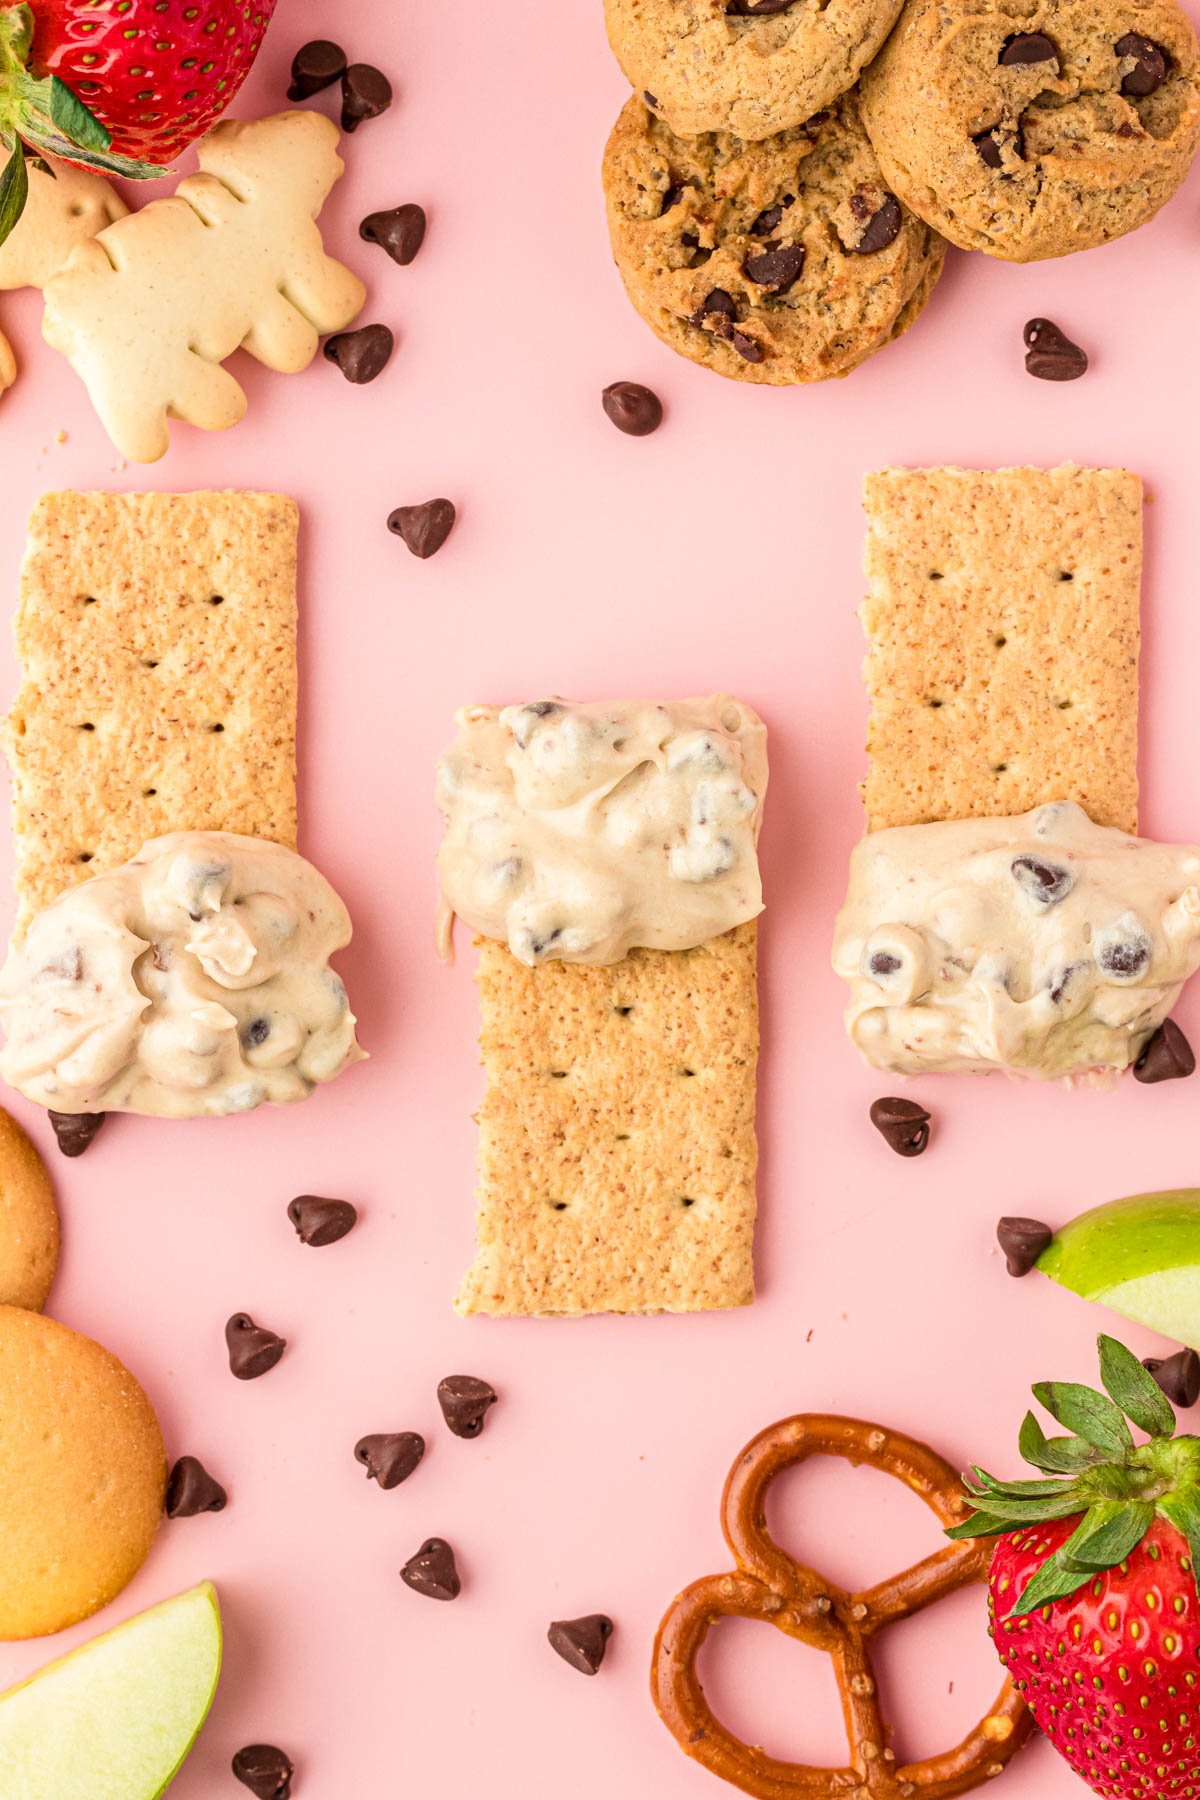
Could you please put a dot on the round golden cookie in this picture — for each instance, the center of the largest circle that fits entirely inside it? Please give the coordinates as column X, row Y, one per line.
column 752, row 67
column 82, row 1476
column 28, row 1221
column 1031, row 128
column 781, row 261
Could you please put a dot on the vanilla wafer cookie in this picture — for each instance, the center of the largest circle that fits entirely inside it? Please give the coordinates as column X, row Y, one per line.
column 1002, row 621
column 157, row 637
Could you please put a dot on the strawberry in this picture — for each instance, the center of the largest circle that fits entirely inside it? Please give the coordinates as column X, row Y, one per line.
column 120, row 86
column 1093, row 1586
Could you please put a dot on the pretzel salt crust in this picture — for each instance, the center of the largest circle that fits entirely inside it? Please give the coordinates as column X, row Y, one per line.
column 148, row 311
column 769, row 1585
column 62, row 210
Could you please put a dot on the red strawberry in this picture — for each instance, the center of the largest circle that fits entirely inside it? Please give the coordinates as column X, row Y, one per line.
column 122, row 86
column 1095, row 1609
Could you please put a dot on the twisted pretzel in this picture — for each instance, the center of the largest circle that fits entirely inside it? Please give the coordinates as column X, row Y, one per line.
column 770, row 1586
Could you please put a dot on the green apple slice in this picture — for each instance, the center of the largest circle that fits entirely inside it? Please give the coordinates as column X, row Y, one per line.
column 1140, row 1256
column 115, row 1718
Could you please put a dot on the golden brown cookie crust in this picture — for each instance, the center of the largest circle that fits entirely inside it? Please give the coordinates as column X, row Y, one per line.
column 1030, row 159
column 29, row 1232
column 82, row 1476
column 707, row 68
column 814, row 192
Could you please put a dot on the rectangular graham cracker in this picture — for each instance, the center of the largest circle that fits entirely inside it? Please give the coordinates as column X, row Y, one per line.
column 1002, row 620
column 617, row 1145
column 157, row 637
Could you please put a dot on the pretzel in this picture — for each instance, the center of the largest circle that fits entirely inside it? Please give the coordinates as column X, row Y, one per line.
column 769, row 1585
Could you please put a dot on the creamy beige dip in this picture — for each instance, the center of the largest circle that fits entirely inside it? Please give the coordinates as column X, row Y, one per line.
column 191, row 980
column 1044, row 944
column 575, row 832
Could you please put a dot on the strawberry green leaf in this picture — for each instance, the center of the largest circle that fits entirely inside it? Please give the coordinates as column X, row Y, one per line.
column 48, row 142
column 1135, row 1390
column 1088, row 1414
column 75, row 120
column 14, row 189
column 1064, row 1456
column 1183, row 1510
column 16, row 34
column 1053, row 1581
column 1016, row 1490
column 1111, row 1531
column 979, row 1525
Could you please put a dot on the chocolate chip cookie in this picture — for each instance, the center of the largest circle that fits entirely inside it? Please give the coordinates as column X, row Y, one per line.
column 1031, row 128
column 754, row 67
column 781, row 261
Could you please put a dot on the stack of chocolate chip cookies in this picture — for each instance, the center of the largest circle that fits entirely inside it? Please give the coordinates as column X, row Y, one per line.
column 782, row 185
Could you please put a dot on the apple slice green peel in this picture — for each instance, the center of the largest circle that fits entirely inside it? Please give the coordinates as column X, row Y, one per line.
column 115, row 1718
column 1140, row 1257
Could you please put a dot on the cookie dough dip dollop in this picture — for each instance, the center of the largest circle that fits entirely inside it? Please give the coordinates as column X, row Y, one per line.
column 576, row 832
column 193, row 980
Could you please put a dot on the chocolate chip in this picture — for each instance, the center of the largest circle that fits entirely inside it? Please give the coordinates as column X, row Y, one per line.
column 255, row 1033
column 1150, row 64
column 884, row 963
column 361, row 355
column 990, row 145
column 776, row 269
column 252, row 1348
column 265, row 1770
column 884, row 224
column 464, row 1401
column 432, row 1571
column 400, row 232
column 633, row 409
column 755, row 9
column 1167, row 1056
column 1050, row 354
column 1125, row 958
column 366, row 93
column 581, row 1642
column 1027, row 47
column 315, row 66
column 75, row 1131
column 767, row 221
column 423, row 528
column 1022, row 1241
column 1178, row 1376
column 389, row 1457
column 1045, row 883
column 671, row 197
column 319, row 1221
column 903, row 1125
column 191, row 1490
column 716, row 306
column 746, row 347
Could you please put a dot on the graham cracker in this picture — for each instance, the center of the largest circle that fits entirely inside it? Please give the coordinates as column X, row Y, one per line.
column 618, row 1155
column 157, row 636
column 1002, row 619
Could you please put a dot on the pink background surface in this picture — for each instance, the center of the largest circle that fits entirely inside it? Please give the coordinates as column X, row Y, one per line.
column 722, row 552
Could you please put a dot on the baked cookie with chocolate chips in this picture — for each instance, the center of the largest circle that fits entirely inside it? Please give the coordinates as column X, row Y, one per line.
column 780, row 261
column 28, row 1221
column 1031, row 128
column 753, row 67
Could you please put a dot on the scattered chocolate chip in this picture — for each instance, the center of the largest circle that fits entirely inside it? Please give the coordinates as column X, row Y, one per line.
column 776, row 269
column 1022, row 1241
column 1167, row 1056
column 581, row 1642
column 1178, row 1376
column 768, row 220
column 755, row 9
column 319, row 1221
column 252, row 1348
column 1050, row 354
column 633, row 409
column 432, row 1571
column 361, row 355
column 265, row 1770
column 366, row 93
column 423, row 528
column 464, row 1401
column 1150, row 64
column 191, row 1490
column 1027, row 47
column 1045, row 883
column 389, row 1457
column 75, row 1131
column 902, row 1124
column 881, row 230
column 315, row 66
column 400, row 232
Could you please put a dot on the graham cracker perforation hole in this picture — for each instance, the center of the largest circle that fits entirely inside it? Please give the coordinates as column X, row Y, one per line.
column 999, row 640
column 149, row 662
column 216, row 728
column 686, row 1200
column 87, row 726
column 216, row 600
column 624, row 1011
column 558, row 1205
column 85, row 856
